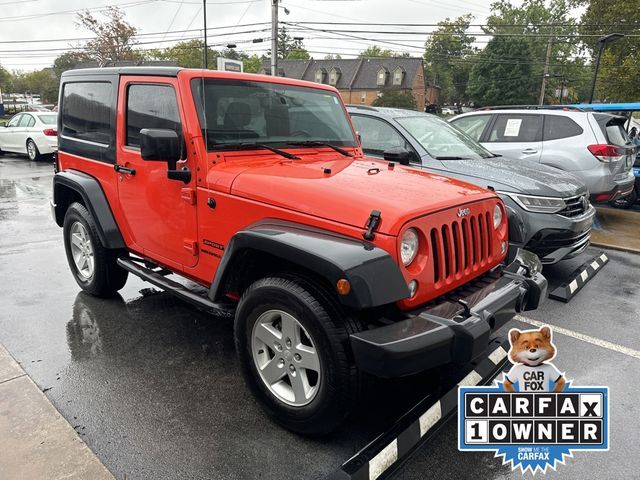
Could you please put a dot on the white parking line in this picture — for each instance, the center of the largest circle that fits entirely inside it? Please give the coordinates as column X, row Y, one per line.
column 581, row 336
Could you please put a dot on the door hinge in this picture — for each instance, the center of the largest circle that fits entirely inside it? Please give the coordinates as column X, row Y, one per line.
column 191, row 246
column 188, row 195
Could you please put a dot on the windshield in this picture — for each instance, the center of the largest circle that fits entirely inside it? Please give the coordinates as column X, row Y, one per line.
column 269, row 113
column 441, row 140
column 50, row 119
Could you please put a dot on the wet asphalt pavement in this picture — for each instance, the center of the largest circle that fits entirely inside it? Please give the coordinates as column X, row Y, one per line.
column 153, row 387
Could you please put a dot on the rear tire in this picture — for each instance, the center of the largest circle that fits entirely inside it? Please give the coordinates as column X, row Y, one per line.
column 32, row 151
column 93, row 266
column 626, row 202
column 308, row 393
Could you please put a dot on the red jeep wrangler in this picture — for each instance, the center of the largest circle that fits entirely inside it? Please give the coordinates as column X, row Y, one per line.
column 334, row 266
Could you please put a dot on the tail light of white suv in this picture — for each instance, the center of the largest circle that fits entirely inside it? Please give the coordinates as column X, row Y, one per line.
column 607, row 153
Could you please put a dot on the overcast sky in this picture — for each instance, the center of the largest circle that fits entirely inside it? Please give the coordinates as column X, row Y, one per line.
column 29, row 20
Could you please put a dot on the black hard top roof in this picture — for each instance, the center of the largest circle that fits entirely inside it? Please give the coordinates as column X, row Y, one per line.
column 150, row 70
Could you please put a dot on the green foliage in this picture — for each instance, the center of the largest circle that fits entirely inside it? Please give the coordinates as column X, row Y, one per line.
column 68, row 61
column 375, row 52
column 187, row 54
column 42, row 82
column 396, row 98
column 290, row 48
column 5, row 79
column 496, row 81
column 447, row 57
column 619, row 75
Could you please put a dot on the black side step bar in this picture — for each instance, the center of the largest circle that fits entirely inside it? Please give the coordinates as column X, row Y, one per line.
column 177, row 289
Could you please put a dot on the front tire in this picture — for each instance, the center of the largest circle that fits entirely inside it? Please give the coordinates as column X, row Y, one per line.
column 293, row 346
column 93, row 266
column 32, row 151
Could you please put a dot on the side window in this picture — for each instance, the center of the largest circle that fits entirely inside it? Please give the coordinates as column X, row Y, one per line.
column 377, row 135
column 557, row 126
column 472, row 126
column 27, row 121
column 86, row 112
column 516, row 128
column 151, row 106
column 15, row 121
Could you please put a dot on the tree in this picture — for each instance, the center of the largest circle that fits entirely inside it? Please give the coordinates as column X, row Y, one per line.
column 5, row 79
column 331, row 56
column 618, row 78
column 375, row 52
column 187, row 54
column 395, row 98
column 252, row 63
column 447, row 56
column 43, row 82
column 537, row 22
column 496, row 81
column 114, row 38
column 68, row 61
column 289, row 47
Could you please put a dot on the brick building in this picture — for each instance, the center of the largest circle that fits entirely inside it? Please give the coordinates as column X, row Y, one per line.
column 362, row 80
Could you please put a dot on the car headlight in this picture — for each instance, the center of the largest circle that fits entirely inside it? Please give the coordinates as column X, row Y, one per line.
column 497, row 216
column 409, row 246
column 535, row 204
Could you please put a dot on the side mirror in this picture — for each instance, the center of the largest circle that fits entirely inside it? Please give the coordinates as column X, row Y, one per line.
column 164, row 145
column 399, row 155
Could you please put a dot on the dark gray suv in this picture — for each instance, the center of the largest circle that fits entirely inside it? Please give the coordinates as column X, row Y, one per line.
column 549, row 210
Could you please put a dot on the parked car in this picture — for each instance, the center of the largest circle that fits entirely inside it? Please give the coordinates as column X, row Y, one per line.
column 33, row 133
column 592, row 146
column 451, row 110
column 255, row 187
column 549, row 210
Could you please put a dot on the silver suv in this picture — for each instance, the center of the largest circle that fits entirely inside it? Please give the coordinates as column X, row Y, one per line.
column 592, row 146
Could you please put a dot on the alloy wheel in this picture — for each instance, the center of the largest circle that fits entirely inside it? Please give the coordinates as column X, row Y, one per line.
column 82, row 250
column 286, row 358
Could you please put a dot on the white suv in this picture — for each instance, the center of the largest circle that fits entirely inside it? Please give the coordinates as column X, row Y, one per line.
column 592, row 146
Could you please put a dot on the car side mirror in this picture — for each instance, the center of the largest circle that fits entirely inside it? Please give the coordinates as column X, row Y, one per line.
column 164, row 145
column 399, row 155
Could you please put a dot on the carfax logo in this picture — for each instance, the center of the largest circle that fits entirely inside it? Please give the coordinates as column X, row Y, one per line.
column 534, row 417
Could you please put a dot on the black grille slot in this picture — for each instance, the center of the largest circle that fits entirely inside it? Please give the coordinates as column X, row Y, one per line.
column 435, row 255
column 576, row 206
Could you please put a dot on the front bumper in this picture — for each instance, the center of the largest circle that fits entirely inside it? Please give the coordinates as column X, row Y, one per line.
column 456, row 330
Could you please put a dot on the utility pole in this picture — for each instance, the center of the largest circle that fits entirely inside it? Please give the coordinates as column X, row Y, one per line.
column 274, row 38
column 206, row 53
column 545, row 75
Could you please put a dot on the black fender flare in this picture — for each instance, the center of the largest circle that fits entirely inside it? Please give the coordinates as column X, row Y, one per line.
column 374, row 275
column 93, row 198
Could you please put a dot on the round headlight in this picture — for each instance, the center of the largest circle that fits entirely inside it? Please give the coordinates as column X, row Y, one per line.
column 409, row 246
column 497, row 216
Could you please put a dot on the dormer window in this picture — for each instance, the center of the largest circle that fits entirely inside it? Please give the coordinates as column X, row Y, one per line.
column 382, row 77
column 321, row 74
column 334, row 76
column 398, row 76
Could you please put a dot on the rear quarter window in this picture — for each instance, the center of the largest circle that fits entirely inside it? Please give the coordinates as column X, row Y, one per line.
column 557, row 127
column 86, row 112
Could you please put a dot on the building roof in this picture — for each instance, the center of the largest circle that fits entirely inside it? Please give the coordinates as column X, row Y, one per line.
column 355, row 73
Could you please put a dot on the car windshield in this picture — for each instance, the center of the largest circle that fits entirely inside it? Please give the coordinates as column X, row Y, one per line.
column 50, row 119
column 441, row 140
column 247, row 112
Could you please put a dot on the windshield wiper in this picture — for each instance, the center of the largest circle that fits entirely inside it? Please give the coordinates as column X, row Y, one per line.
column 254, row 146
column 312, row 143
column 451, row 158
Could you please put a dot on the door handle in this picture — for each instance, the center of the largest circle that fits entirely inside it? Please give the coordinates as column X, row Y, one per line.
column 125, row 170
column 529, row 150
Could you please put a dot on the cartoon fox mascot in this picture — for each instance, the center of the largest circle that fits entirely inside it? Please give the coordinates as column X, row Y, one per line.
column 530, row 352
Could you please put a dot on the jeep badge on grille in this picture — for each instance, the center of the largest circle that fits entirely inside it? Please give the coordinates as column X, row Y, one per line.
column 463, row 212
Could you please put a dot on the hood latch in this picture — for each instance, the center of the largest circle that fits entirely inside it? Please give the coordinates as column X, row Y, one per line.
column 372, row 224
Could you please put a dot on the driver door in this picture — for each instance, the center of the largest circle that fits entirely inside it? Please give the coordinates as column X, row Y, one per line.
column 160, row 213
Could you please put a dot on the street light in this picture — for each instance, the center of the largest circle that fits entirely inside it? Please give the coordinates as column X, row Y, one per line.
column 602, row 42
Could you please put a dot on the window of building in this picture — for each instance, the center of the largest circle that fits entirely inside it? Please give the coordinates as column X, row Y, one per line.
column 334, row 76
column 86, row 112
column 320, row 74
column 363, row 97
column 151, row 106
column 398, row 76
column 382, row 76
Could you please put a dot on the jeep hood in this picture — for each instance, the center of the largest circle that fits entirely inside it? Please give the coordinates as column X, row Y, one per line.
column 514, row 175
column 352, row 189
